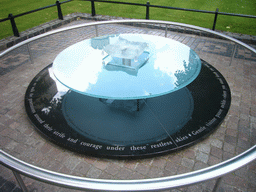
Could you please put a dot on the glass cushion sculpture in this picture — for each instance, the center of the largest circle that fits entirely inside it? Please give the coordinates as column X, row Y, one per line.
column 125, row 53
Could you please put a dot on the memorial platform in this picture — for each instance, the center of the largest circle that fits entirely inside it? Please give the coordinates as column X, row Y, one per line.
column 236, row 134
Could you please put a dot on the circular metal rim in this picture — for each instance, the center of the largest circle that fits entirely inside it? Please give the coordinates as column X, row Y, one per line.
column 126, row 21
column 163, row 183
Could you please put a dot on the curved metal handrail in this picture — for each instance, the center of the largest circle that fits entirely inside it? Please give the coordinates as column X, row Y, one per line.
column 128, row 185
column 126, row 21
column 163, row 183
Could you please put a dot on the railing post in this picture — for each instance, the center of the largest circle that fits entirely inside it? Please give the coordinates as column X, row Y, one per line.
column 215, row 19
column 217, row 184
column 147, row 10
column 93, row 8
column 14, row 27
column 165, row 30
column 20, row 181
column 59, row 10
column 96, row 30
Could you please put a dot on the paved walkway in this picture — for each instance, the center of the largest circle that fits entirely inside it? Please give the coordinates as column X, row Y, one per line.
column 237, row 133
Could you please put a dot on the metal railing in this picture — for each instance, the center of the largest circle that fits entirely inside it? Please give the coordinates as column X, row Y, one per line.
column 148, row 5
column 11, row 17
column 217, row 171
column 93, row 12
column 20, row 167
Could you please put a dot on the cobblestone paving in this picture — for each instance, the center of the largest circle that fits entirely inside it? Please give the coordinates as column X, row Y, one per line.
column 237, row 133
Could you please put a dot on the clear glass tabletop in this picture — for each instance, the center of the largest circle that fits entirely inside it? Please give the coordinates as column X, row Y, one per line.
column 126, row 66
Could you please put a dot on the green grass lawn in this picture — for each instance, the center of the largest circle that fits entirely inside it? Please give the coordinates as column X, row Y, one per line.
column 224, row 23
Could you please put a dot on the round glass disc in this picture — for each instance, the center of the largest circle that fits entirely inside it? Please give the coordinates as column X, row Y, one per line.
column 126, row 66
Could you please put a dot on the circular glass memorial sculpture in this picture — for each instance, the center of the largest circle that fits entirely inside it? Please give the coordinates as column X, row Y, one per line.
column 128, row 66
column 127, row 95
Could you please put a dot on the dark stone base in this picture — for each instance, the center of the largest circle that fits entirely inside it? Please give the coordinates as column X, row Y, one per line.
column 116, row 129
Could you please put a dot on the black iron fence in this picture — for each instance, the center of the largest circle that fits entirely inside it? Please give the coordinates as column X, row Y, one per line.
column 148, row 5
column 12, row 17
column 93, row 12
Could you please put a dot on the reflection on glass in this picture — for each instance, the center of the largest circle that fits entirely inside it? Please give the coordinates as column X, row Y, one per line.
column 130, row 66
column 89, row 68
column 126, row 66
column 182, row 75
column 130, row 106
column 125, row 55
column 60, row 91
column 125, row 49
column 100, row 42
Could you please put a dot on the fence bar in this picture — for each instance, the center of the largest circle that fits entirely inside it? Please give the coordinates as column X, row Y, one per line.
column 5, row 19
column 147, row 10
column 238, row 15
column 93, row 8
column 39, row 9
column 119, row 2
column 32, row 11
column 20, row 181
column 14, row 27
column 215, row 19
column 59, row 10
